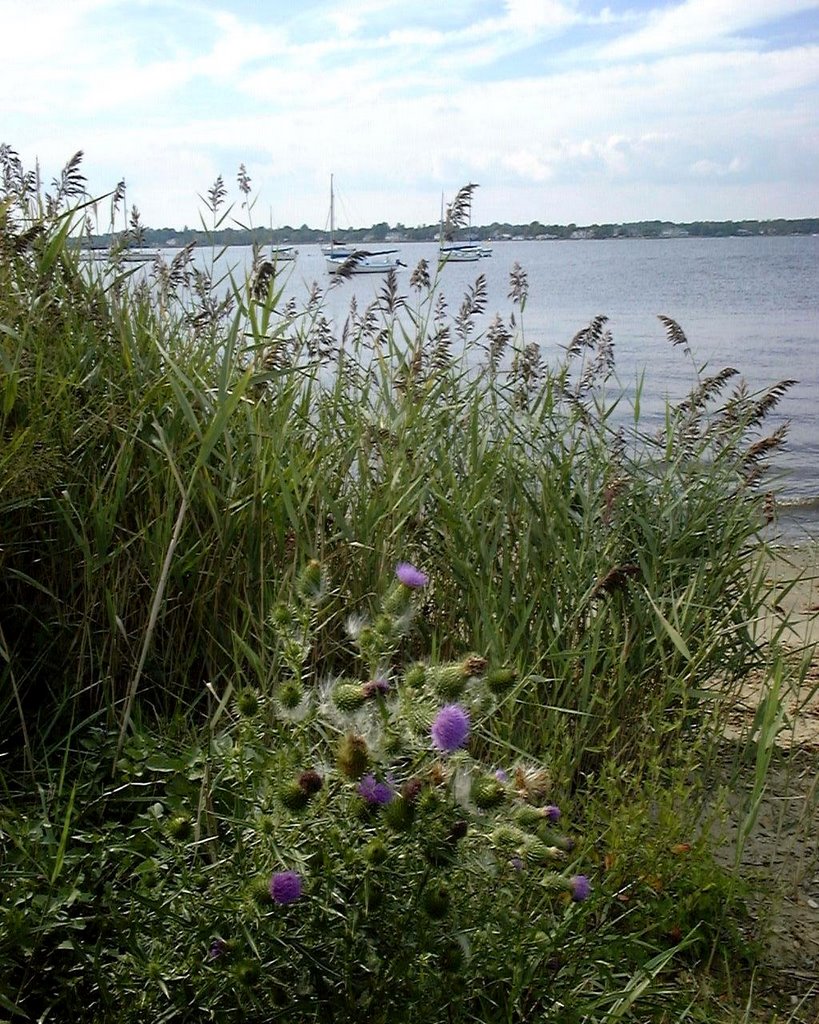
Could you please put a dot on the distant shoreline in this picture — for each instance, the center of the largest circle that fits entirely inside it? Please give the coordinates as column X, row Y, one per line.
column 161, row 238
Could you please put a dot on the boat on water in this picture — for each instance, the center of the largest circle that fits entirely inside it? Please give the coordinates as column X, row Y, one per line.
column 123, row 255
column 282, row 253
column 363, row 262
column 459, row 252
column 352, row 259
column 466, row 250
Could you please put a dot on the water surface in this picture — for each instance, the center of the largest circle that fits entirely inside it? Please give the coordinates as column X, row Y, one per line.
column 751, row 303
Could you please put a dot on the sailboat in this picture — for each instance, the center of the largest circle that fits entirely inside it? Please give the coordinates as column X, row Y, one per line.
column 465, row 251
column 354, row 260
column 283, row 253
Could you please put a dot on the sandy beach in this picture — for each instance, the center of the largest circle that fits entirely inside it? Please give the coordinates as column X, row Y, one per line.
column 794, row 573
column 782, row 849
column 792, row 624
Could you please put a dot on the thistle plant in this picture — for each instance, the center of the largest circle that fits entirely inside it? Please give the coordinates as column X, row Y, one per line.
column 357, row 860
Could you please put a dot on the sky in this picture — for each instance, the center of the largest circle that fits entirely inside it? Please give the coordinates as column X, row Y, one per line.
column 562, row 111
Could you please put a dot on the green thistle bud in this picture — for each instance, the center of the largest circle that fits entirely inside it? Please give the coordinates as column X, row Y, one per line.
column 247, row 702
column 384, row 626
column 266, row 825
column 368, row 642
column 556, row 839
column 436, row 901
column 529, row 817
column 361, row 810
column 311, row 581
column 375, row 852
column 418, row 711
column 415, row 676
column 149, row 877
column 452, row 958
column 537, row 852
column 499, row 680
column 399, row 814
column 293, row 796
column 259, row 891
column 508, row 839
column 397, row 599
column 448, row 680
column 291, row 695
column 487, row 792
column 282, row 615
column 248, row 972
column 180, row 827
column 353, row 757
column 348, row 697
column 428, row 801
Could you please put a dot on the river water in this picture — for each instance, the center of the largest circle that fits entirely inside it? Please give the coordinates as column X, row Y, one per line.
column 747, row 302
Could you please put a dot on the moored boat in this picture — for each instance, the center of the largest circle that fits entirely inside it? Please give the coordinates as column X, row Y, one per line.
column 361, row 261
column 282, row 253
column 458, row 216
column 351, row 259
column 459, row 252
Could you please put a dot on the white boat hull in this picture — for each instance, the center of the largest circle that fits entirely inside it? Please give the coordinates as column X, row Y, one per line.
column 283, row 254
column 366, row 263
column 460, row 254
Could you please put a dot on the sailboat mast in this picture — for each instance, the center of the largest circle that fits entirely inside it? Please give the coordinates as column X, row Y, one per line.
column 332, row 214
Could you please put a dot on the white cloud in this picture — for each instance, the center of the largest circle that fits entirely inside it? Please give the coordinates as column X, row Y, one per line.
column 529, row 15
column 402, row 104
column 700, row 23
column 718, row 169
column 527, row 165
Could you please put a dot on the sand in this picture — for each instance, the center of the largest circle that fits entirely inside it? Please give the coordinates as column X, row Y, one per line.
column 791, row 624
column 782, row 850
column 794, row 573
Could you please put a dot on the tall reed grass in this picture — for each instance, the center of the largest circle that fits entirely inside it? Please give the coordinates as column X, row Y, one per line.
column 171, row 457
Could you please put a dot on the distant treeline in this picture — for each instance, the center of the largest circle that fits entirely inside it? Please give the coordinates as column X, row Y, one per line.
column 383, row 232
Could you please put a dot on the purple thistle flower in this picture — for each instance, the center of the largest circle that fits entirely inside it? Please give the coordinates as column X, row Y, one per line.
column 410, row 576
column 450, row 729
column 374, row 792
column 551, row 813
column 218, row 948
column 580, row 887
column 285, row 887
column 502, row 776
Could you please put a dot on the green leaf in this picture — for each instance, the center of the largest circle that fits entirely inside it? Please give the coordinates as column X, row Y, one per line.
column 673, row 635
